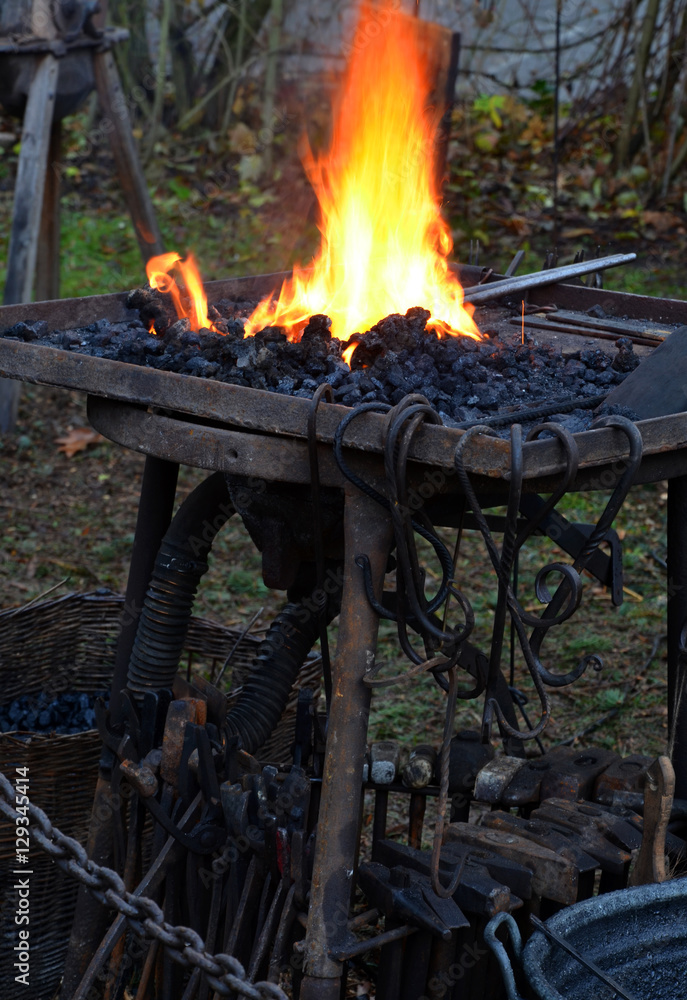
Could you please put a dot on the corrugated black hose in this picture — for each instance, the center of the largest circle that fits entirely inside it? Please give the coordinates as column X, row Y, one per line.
column 180, row 563
column 280, row 656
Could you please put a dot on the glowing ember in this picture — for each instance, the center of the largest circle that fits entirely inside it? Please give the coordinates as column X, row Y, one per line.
column 159, row 274
column 384, row 243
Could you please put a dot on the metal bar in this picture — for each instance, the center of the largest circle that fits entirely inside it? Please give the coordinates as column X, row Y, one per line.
column 618, row 326
column 150, row 881
column 155, row 506
column 515, row 264
column 367, row 529
column 395, row 934
column 148, row 967
column 581, row 331
column 416, row 818
column 507, row 286
column 380, row 813
column 587, row 963
column 363, row 919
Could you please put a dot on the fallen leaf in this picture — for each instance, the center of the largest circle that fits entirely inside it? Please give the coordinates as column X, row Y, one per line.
column 575, row 232
column 242, row 140
column 78, row 439
column 661, row 221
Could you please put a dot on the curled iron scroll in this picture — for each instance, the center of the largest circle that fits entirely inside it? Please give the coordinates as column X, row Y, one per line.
column 608, row 515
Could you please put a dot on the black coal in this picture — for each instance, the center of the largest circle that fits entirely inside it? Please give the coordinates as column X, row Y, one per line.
column 464, row 380
column 68, row 713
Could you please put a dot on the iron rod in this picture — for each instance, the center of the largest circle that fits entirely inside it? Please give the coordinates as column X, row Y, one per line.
column 506, row 286
column 587, row 963
column 386, row 937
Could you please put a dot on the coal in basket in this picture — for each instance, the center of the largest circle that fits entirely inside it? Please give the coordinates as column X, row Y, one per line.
column 636, row 937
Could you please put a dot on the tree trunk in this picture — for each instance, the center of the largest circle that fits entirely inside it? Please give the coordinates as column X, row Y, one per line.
column 182, row 62
column 622, row 150
column 133, row 60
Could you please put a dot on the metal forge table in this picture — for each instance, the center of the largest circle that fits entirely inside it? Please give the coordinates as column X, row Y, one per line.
column 175, row 419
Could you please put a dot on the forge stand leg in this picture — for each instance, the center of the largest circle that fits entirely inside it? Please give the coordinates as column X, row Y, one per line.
column 158, row 489
column 367, row 530
column 155, row 509
column 677, row 616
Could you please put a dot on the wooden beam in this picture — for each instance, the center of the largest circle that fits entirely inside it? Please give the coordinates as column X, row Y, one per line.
column 131, row 178
column 28, row 191
column 42, row 21
column 28, row 204
column 48, row 259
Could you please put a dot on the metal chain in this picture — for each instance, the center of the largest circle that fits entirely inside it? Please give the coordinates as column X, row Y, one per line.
column 225, row 974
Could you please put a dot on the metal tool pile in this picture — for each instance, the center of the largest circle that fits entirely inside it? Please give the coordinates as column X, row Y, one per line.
column 240, row 870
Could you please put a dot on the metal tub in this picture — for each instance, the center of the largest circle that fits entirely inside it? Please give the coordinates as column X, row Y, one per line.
column 636, row 936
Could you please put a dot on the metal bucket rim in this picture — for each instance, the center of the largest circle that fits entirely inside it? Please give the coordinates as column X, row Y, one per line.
column 600, row 908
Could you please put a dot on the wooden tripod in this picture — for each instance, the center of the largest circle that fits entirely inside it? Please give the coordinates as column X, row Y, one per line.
column 34, row 249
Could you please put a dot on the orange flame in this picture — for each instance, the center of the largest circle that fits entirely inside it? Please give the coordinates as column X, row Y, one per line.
column 384, row 243
column 158, row 270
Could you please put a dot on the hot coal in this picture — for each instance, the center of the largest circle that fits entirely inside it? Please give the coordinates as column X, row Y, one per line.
column 464, row 380
column 67, row 713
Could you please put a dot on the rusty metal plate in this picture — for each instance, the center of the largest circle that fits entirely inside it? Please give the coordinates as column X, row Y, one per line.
column 602, row 451
column 285, row 457
column 287, row 416
column 62, row 314
column 579, row 298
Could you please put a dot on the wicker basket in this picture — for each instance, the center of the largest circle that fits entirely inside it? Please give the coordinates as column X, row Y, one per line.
column 69, row 644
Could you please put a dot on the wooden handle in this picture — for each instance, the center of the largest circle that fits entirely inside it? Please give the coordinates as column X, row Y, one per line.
column 658, row 800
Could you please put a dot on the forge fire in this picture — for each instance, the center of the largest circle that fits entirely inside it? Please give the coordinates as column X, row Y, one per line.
column 379, row 313
column 385, row 245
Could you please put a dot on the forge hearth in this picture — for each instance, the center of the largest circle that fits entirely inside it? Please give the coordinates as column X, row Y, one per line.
column 462, row 379
column 384, row 465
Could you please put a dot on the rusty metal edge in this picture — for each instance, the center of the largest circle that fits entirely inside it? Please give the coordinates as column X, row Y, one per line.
column 617, row 304
column 214, row 448
column 223, row 403
column 78, row 311
column 63, row 314
column 287, row 416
